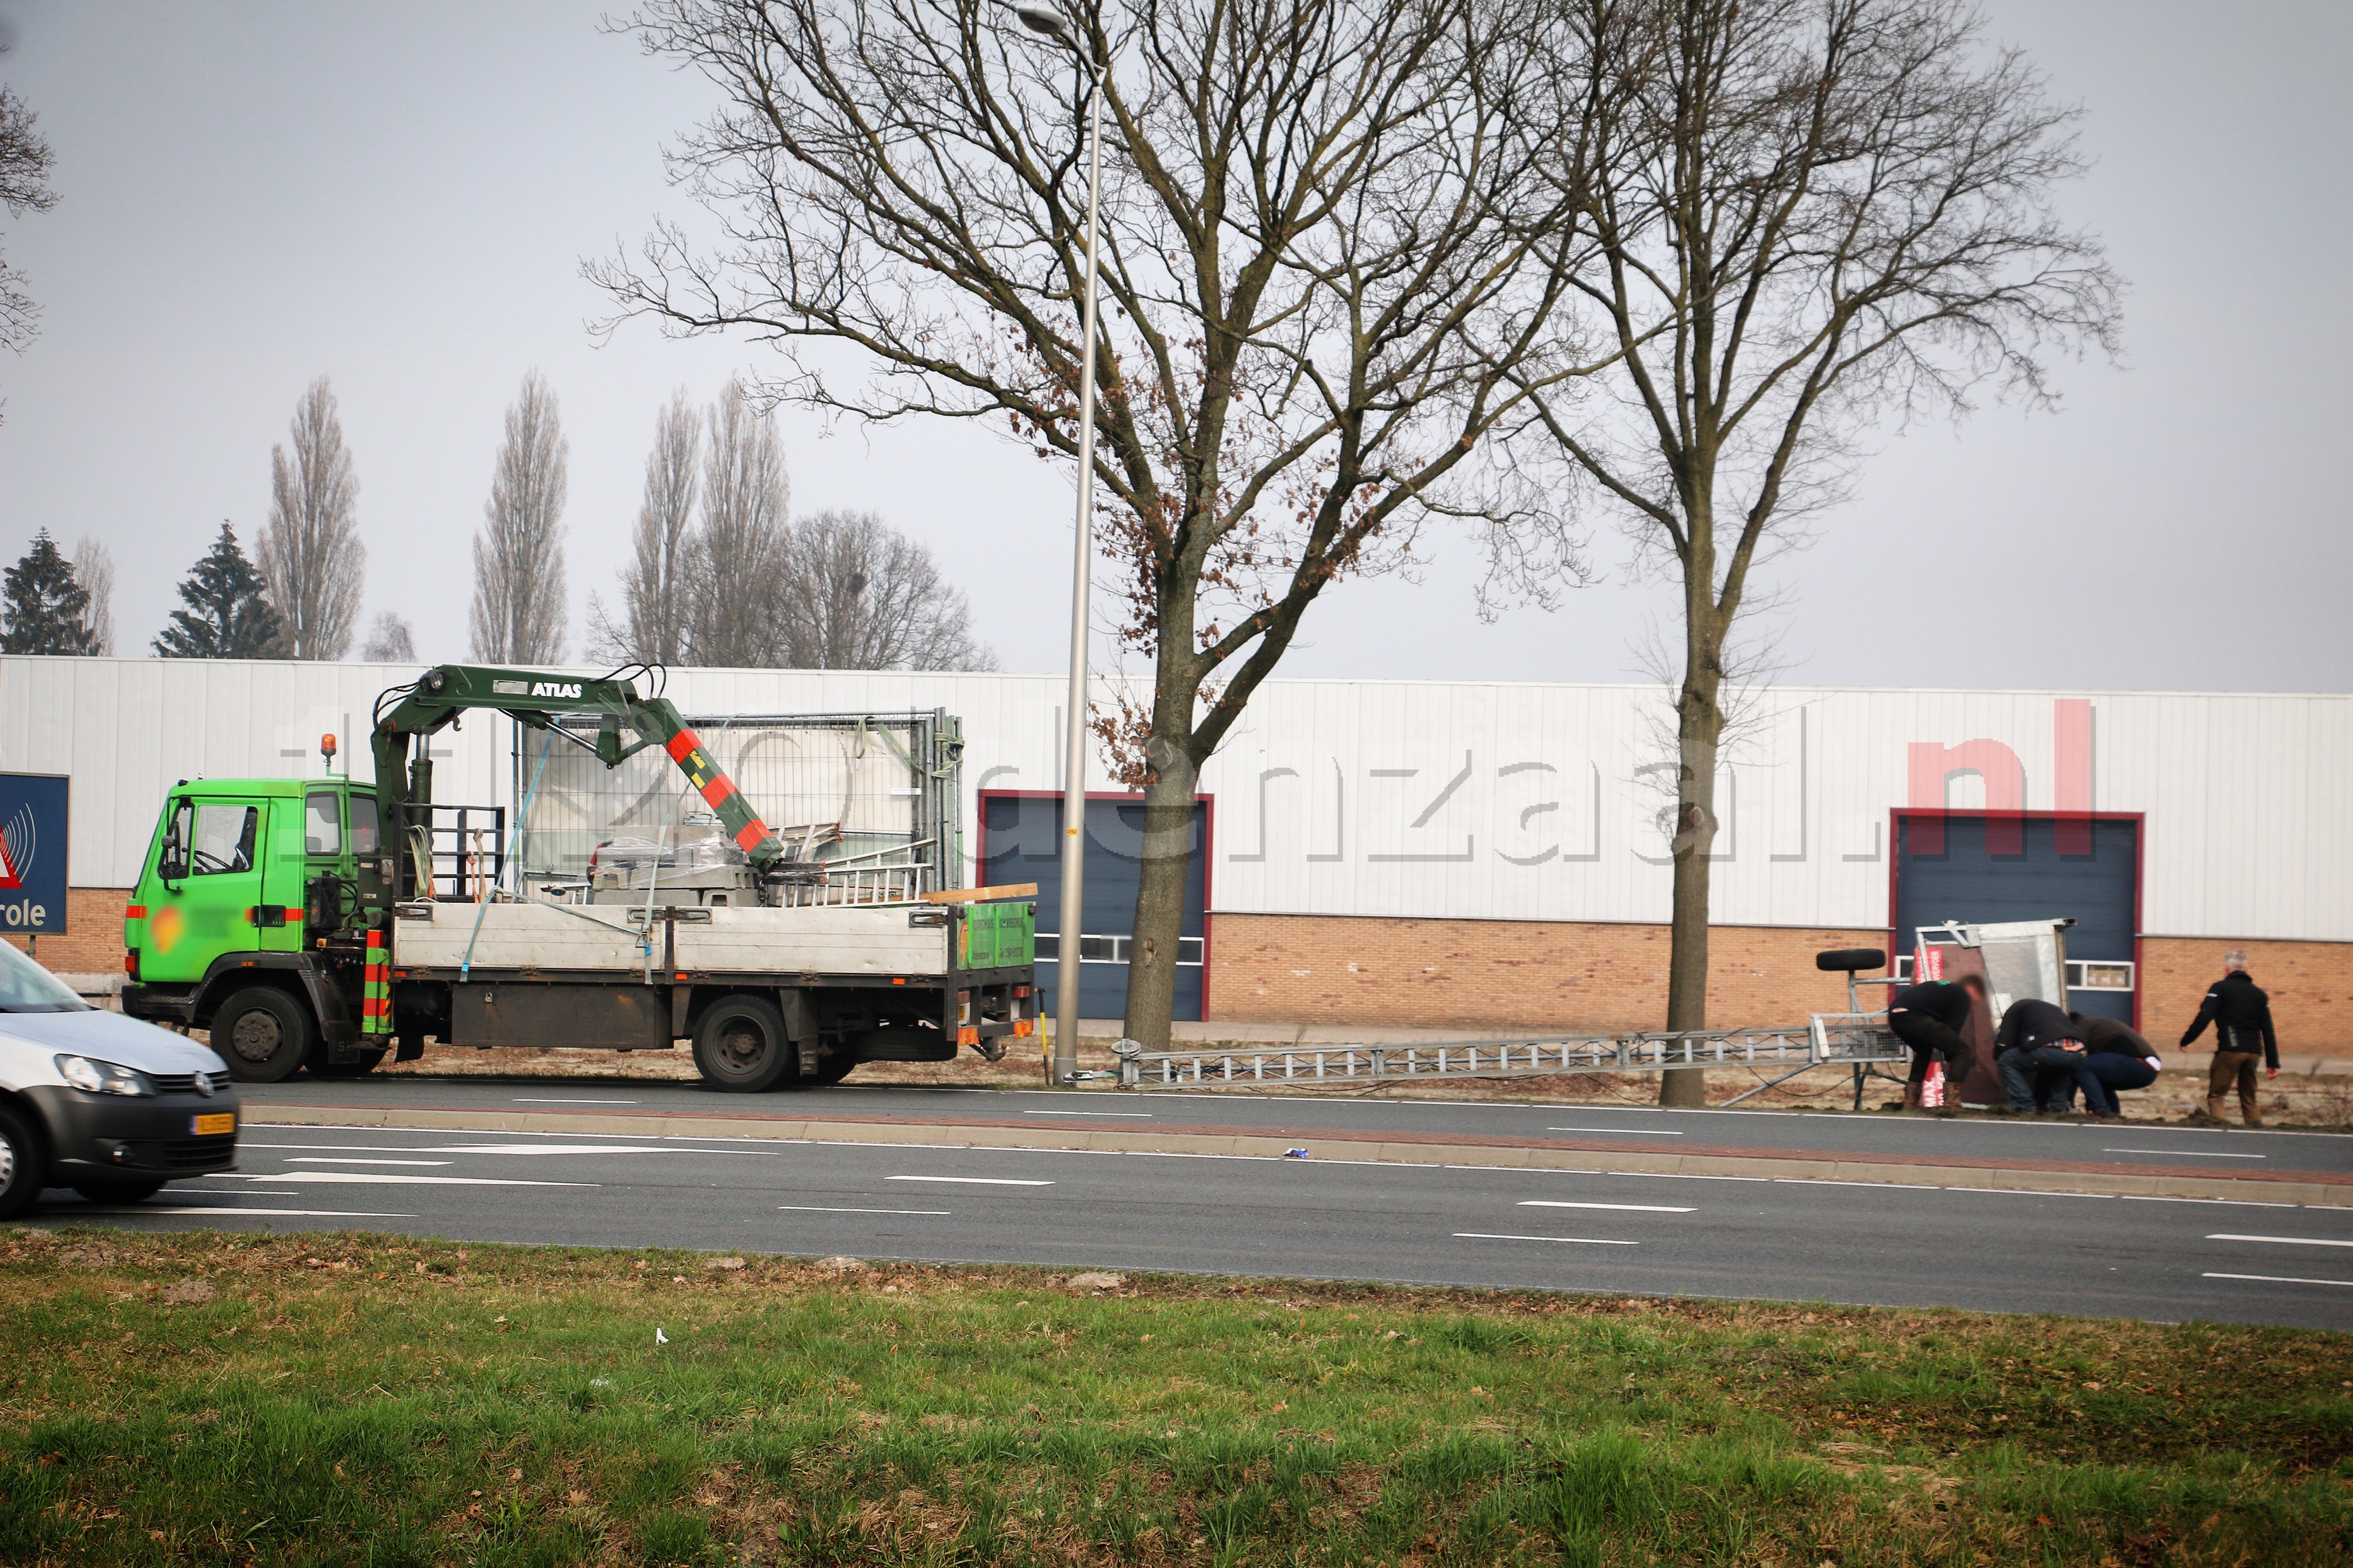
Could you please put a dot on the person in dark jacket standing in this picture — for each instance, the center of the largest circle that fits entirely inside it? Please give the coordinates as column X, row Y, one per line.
column 1929, row 1018
column 2241, row 1016
column 2037, row 1049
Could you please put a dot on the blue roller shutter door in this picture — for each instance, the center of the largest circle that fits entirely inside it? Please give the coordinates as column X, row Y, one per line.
column 1021, row 841
column 1968, row 884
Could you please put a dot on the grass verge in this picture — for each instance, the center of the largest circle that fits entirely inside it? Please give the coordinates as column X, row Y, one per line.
column 229, row 1398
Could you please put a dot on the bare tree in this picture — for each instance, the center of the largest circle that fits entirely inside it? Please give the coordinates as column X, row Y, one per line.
column 519, row 612
column 1327, row 273
column 389, row 640
column 94, row 570
column 658, row 586
column 1815, row 217
column 739, row 551
column 25, row 160
column 859, row 595
column 311, row 552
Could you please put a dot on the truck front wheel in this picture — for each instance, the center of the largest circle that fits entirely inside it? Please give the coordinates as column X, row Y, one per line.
column 740, row 1045
column 262, row 1034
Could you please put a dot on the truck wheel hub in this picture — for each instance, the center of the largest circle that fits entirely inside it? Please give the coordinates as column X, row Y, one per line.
column 742, row 1048
column 256, row 1037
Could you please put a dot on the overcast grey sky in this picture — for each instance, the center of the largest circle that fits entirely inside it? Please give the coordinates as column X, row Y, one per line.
column 252, row 194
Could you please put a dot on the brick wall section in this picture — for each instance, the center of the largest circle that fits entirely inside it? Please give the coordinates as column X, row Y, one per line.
column 2310, row 984
column 93, row 943
column 1435, row 974
column 1513, row 974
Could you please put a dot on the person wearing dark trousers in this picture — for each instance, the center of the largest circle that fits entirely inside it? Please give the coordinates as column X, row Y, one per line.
column 2241, row 1016
column 2115, row 1056
column 1929, row 1018
column 2037, row 1050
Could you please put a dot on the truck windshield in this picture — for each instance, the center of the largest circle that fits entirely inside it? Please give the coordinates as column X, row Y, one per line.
column 26, row 987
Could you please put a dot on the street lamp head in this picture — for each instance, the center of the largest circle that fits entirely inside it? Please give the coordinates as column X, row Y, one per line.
column 1047, row 22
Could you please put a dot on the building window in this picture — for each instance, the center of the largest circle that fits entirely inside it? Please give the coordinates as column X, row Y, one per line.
column 1190, row 950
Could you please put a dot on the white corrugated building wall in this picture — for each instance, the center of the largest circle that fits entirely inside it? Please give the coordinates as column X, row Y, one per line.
column 1388, row 819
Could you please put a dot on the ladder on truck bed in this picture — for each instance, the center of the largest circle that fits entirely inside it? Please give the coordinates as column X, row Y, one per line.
column 1857, row 1040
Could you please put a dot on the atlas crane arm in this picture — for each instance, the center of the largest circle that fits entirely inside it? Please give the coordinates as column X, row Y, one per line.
column 536, row 700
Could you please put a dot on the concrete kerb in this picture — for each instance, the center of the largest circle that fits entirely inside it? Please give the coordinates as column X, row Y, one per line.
column 1925, row 1173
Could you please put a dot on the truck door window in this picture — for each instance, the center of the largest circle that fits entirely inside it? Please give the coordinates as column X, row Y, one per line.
column 173, row 864
column 323, row 827
column 223, row 840
column 366, row 843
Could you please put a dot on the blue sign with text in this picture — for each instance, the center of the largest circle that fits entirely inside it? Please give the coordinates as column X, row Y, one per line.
column 32, row 854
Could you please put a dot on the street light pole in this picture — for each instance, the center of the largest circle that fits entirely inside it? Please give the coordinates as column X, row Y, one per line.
column 1054, row 25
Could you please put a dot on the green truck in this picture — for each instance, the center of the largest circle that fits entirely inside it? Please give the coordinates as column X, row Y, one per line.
column 304, row 924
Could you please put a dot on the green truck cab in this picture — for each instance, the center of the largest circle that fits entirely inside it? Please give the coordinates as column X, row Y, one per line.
column 250, row 919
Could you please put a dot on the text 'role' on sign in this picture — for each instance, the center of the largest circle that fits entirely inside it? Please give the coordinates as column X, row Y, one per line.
column 32, row 854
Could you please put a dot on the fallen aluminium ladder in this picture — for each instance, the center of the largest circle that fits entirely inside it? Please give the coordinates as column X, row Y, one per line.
column 1858, row 1040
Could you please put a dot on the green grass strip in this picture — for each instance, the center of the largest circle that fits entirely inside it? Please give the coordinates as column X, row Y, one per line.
column 358, row 1399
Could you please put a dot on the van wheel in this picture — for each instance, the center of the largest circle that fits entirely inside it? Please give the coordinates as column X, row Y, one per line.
column 24, row 1164
column 740, row 1045
column 262, row 1034
column 123, row 1191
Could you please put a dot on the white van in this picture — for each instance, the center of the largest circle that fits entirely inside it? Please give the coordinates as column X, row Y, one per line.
column 104, row 1104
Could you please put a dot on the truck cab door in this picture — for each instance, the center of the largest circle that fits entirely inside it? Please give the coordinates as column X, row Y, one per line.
column 208, row 874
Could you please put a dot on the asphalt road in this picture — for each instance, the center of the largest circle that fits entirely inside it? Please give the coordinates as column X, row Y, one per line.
column 2156, row 1258
column 1301, row 1115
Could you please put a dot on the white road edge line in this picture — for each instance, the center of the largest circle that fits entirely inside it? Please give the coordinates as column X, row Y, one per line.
column 2282, row 1240
column 974, row 1181
column 335, row 1160
column 821, row 1208
column 1579, row 1240
column 388, row 1180
column 2276, row 1280
column 289, row 1214
column 2187, row 1153
column 1634, row 1209
column 1620, row 1131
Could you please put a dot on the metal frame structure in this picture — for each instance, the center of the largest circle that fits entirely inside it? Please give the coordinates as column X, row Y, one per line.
column 931, row 754
column 1855, row 1040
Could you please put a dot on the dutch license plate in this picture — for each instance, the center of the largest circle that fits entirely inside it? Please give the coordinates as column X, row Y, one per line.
column 216, row 1122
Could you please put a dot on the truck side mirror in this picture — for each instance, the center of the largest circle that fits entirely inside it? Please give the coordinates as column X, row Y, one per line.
column 172, row 865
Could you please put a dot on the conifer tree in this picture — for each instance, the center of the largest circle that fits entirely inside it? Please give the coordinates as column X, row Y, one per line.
column 42, row 608
column 227, row 615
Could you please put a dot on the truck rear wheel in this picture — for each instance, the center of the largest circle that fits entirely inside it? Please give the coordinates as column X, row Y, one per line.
column 741, row 1047
column 262, row 1034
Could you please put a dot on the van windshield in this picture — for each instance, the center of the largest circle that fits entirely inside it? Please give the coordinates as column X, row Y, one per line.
column 26, row 987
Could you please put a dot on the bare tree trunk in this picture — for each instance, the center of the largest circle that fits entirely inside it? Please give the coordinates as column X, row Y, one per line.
column 1699, row 735
column 1166, row 853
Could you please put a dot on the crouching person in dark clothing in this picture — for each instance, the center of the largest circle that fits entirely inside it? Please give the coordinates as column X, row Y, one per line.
column 2037, row 1049
column 2115, row 1056
column 1929, row 1018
